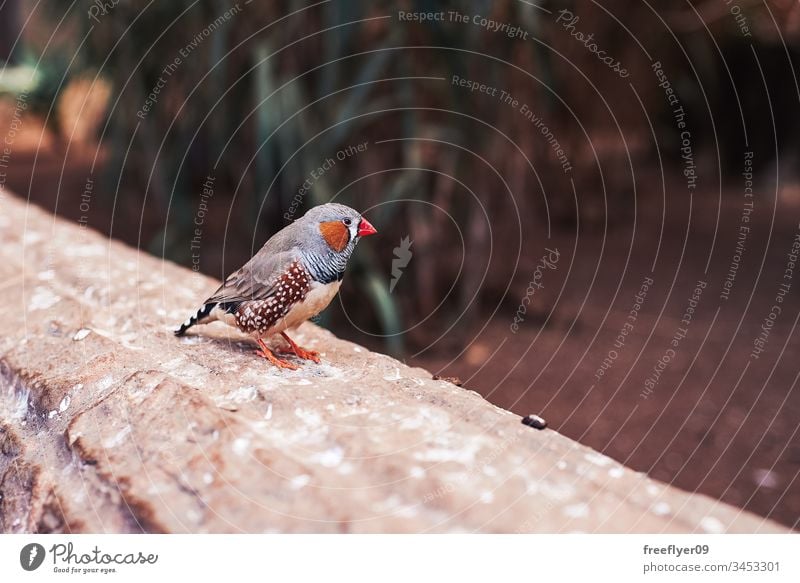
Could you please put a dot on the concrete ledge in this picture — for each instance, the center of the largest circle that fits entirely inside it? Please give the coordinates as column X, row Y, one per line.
column 108, row 423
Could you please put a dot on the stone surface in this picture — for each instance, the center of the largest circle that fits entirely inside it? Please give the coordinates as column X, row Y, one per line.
column 108, row 423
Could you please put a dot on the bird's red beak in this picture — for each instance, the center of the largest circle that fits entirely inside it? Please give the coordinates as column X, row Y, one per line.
column 365, row 228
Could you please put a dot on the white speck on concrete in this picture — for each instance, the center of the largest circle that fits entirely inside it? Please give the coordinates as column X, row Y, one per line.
column 464, row 453
column 329, row 458
column 395, row 377
column 712, row 525
column 299, row 482
column 303, row 382
column 42, row 299
column 487, row 497
column 356, row 349
column 616, row 472
column 241, row 445
column 310, row 417
column 81, row 334
column 580, row 510
column 240, row 395
column 559, row 491
column 62, row 406
column 408, row 511
column 597, row 459
column 561, row 465
column 660, row 509
column 432, row 419
column 52, row 414
column 208, row 478
column 84, row 250
column 118, row 438
column 104, row 384
column 416, row 472
column 268, row 414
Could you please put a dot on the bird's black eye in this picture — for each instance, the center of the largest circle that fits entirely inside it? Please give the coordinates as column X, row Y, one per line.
column 347, row 222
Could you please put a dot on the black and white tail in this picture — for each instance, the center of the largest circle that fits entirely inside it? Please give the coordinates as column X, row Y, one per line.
column 201, row 315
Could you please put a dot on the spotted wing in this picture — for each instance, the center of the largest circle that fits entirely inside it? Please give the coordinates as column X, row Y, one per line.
column 258, row 279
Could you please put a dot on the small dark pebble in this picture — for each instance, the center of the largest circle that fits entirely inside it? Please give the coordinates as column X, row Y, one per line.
column 534, row 421
column 455, row 380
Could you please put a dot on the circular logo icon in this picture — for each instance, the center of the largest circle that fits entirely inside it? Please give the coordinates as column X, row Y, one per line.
column 31, row 556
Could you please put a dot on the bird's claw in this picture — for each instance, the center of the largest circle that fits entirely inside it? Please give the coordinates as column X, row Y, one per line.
column 301, row 352
column 266, row 353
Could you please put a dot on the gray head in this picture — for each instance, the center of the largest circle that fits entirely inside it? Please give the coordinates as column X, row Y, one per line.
column 330, row 233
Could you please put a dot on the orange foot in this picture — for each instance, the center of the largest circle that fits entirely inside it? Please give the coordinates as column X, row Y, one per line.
column 265, row 352
column 299, row 351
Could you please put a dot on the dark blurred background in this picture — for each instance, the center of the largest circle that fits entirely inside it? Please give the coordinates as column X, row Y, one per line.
column 530, row 166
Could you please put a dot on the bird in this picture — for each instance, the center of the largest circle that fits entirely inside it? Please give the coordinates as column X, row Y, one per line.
column 292, row 278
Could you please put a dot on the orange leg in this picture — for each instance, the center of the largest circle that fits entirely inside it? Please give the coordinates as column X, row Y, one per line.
column 265, row 352
column 299, row 351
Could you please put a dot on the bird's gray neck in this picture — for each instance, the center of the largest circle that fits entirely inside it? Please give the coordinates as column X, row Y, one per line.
column 328, row 267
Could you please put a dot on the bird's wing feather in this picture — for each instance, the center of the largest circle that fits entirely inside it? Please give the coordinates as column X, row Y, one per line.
column 256, row 280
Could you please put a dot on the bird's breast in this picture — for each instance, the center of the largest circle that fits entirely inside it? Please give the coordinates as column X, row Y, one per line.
column 317, row 299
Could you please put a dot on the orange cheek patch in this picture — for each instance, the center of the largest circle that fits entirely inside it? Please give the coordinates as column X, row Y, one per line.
column 335, row 234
